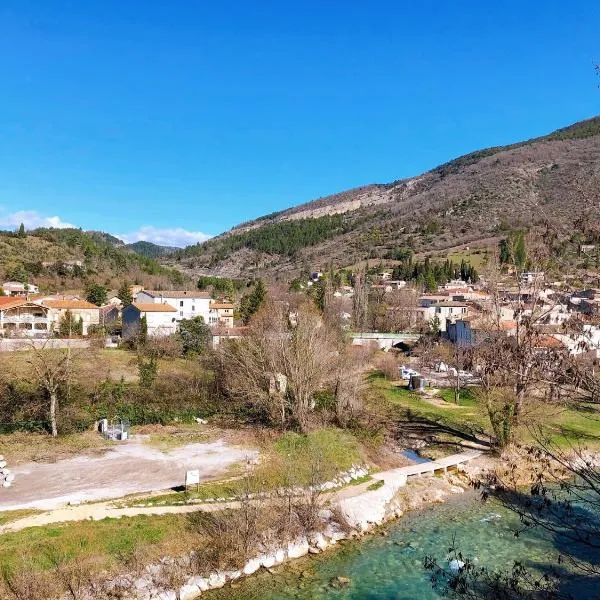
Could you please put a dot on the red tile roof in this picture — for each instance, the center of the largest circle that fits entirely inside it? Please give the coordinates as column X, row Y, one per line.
column 70, row 305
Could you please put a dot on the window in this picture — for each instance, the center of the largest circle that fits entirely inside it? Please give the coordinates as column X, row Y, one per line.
column 181, row 303
column 193, row 308
column 181, row 313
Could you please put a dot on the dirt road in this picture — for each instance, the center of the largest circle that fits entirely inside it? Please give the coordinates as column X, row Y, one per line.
column 128, row 468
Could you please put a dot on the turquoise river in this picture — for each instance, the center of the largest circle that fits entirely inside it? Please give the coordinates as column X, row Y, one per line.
column 391, row 567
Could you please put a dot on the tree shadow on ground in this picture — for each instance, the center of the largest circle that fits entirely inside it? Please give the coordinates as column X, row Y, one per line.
column 437, row 431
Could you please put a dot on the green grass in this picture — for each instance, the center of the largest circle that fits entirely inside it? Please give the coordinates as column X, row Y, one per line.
column 467, row 396
column 376, row 485
column 291, row 460
column 106, row 544
column 418, row 406
column 477, row 258
column 566, row 426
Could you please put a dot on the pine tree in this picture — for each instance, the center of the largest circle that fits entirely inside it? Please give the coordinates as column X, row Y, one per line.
column 124, row 294
column 251, row 302
column 21, row 233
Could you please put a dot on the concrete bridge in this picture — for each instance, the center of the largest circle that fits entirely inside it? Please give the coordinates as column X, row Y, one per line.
column 434, row 466
column 385, row 341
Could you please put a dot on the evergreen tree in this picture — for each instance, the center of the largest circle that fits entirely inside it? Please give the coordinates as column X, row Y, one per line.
column 21, row 233
column 96, row 294
column 143, row 333
column 124, row 294
column 148, row 371
column 69, row 325
column 252, row 301
column 194, row 335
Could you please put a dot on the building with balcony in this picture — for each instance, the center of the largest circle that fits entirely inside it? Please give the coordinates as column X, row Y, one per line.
column 22, row 318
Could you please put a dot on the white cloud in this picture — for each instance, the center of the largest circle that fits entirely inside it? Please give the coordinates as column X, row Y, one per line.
column 164, row 236
column 168, row 236
column 31, row 219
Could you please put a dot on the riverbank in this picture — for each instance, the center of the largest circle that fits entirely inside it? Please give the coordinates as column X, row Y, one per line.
column 346, row 515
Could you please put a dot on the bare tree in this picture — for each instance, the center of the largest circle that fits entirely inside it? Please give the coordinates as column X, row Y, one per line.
column 53, row 369
column 286, row 358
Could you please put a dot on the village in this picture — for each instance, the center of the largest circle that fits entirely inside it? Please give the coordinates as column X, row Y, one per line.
column 459, row 311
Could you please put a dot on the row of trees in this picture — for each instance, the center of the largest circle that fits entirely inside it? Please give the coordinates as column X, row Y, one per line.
column 431, row 274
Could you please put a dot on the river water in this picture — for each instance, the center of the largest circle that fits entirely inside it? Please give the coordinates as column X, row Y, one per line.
column 391, row 568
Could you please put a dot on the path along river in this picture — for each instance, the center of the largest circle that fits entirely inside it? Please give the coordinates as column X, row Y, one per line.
column 391, row 568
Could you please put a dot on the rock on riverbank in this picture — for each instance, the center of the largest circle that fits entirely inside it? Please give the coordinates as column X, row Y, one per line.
column 347, row 517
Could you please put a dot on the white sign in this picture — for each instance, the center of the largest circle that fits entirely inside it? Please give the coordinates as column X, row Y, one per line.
column 192, row 477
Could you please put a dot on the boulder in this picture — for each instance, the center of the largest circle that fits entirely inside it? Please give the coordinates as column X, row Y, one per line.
column 268, row 560
column 189, row 592
column 298, row 548
column 216, row 580
column 251, row 566
column 201, row 582
column 455, row 565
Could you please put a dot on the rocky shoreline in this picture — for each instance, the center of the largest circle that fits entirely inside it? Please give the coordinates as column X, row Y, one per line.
column 345, row 517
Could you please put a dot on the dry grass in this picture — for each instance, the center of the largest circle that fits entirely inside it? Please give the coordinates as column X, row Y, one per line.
column 167, row 437
column 114, row 364
column 9, row 516
column 21, row 447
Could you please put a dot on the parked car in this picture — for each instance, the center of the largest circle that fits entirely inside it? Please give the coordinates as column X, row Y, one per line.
column 407, row 372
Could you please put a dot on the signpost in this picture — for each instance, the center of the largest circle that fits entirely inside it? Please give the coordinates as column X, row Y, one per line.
column 192, row 478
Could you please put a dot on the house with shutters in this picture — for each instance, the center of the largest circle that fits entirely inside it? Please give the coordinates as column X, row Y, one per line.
column 88, row 313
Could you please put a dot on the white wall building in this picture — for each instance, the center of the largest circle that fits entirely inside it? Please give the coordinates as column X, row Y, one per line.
column 88, row 313
column 161, row 319
column 15, row 288
column 445, row 311
column 187, row 304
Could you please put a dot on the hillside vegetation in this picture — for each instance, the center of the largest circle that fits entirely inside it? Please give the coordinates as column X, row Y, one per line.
column 150, row 250
column 551, row 181
column 51, row 257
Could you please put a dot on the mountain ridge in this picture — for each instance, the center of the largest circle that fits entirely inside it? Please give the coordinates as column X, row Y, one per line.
column 469, row 199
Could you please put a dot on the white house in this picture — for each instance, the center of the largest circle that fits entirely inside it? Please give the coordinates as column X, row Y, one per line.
column 221, row 314
column 21, row 318
column 15, row 288
column 444, row 311
column 187, row 304
column 161, row 319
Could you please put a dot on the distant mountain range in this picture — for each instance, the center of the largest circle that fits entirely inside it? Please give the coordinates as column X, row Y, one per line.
column 472, row 200
column 150, row 250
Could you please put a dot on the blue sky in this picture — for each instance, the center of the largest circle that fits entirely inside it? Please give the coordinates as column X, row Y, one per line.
column 172, row 120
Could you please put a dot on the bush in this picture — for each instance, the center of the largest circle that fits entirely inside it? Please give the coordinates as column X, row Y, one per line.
column 388, row 365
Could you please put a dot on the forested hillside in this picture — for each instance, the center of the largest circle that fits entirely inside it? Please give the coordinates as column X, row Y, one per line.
column 149, row 249
column 549, row 182
column 67, row 258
